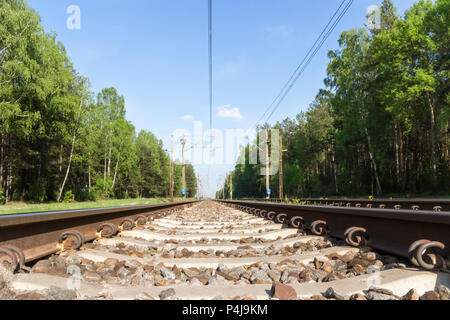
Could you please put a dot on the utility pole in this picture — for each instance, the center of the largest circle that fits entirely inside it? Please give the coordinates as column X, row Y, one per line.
column 171, row 169
column 267, row 165
column 199, row 187
column 231, row 186
column 280, row 174
column 183, row 142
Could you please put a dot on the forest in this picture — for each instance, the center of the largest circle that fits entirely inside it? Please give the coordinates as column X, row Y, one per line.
column 58, row 140
column 380, row 126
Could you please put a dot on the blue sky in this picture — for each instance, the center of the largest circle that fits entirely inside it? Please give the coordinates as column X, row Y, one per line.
column 155, row 52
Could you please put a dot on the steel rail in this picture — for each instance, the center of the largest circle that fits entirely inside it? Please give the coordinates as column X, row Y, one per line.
column 413, row 234
column 36, row 235
column 413, row 204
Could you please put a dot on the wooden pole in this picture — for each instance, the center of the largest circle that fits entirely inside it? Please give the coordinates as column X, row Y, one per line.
column 267, row 164
column 280, row 174
column 183, row 142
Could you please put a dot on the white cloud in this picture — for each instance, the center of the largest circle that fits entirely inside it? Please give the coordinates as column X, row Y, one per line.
column 187, row 118
column 227, row 112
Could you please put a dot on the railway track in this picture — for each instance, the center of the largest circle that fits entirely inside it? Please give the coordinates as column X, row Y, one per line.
column 436, row 205
column 225, row 250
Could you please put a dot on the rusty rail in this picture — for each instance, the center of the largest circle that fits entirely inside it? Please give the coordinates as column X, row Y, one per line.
column 421, row 237
column 413, row 204
column 28, row 237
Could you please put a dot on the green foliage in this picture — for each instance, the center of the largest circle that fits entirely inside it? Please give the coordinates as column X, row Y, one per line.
column 68, row 197
column 382, row 124
column 37, row 191
column 56, row 134
column 82, row 194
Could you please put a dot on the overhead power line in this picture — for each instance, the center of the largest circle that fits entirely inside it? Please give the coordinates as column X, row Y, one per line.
column 329, row 28
column 210, row 39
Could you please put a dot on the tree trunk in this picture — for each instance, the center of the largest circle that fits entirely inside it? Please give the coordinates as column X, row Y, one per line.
column 371, row 154
column 61, row 158
column 68, row 169
column 433, row 143
column 334, row 170
column 397, row 156
column 2, row 159
column 104, row 171
column 8, row 183
column 109, row 157
column 447, row 155
column 406, row 167
column 71, row 151
column 371, row 180
column 115, row 171
column 89, row 179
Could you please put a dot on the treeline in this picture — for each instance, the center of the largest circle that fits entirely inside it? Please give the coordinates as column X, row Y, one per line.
column 58, row 140
column 381, row 126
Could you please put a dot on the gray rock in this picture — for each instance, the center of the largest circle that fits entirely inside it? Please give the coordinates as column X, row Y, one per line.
column 246, row 274
column 73, row 260
column 5, row 274
column 143, row 296
column 377, row 265
column 284, row 276
column 273, row 266
column 411, row 295
column 190, row 273
column 298, row 244
column 56, row 293
column 371, row 256
column 381, row 290
column 372, row 295
column 132, row 264
column 238, row 270
column 195, row 282
column 291, row 280
column 167, row 294
column 167, row 274
column 42, row 266
column 444, row 292
column 265, row 268
column 222, row 267
column 60, row 261
column 260, row 275
column 319, row 275
column 331, row 277
column 253, row 270
column 358, row 296
column 104, row 271
column 298, row 269
column 275, row 275
column 92, row 276
column 168, row 247
column 217, row 281
column 122, row 272
column 332, row 294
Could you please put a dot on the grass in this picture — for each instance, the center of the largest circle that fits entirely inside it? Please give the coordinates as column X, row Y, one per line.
column 22, row 207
